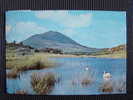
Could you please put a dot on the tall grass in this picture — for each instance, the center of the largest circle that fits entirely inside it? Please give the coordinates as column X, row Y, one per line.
column 113, row 86
column 36, row 61
column 31, row 62
column 120, row 85
column 12, row 74
column 86, row 81
column 43, row 84
column 21, row 92
column 106, row 86
column 84, row 78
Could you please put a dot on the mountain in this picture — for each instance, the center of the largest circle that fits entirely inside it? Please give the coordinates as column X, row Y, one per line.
column 57, row 40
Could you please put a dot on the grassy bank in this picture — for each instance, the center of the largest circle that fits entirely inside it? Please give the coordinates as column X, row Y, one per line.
column 28, row 62
column 36, row 61
column 19, row 63
column 120, row 54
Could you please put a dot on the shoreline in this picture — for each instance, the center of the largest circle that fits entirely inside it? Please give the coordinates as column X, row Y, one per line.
column 91, row 56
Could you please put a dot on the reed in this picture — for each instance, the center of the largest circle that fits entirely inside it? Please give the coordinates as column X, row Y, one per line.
column 43, row 84
column 21, row 92
column 106, row 86
column 12, row 74
column 87, row 77
column 24, row 63
column 113, row 86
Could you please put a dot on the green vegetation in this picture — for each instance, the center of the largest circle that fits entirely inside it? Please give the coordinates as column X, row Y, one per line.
column 36, row 61
column 119, row 54
column 43, row 84
column 18, row 63
column 115, row 52
column 23, row 63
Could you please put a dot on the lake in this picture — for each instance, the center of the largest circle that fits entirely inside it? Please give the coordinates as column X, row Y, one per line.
column 73, row 69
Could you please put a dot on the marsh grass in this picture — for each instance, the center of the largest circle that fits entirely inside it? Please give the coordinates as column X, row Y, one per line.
column 84, row 78
column 113, row 86
column 24, row 63
column 88, row 77
column 21, row 92
column 86, row 81
column 36, row 61
column 43, row 84
column 106, row 86
column 12, row 74
column 120, row 85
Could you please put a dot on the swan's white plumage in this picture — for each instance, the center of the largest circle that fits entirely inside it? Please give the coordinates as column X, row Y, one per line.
column 86, row 68
column 106, row 76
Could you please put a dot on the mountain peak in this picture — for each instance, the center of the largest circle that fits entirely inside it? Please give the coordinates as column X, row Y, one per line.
column 53, row 32
column 54, row 39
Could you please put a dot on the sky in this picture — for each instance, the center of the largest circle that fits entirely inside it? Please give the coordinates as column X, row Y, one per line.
column 97, row 29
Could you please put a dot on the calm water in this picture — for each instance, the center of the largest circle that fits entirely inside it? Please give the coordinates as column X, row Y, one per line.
column 70, row 69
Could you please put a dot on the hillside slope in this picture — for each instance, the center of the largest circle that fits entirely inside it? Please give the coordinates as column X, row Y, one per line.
column 114, row 52
column 57, row 40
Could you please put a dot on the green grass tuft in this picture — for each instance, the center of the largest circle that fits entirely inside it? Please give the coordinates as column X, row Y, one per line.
column 43, row 84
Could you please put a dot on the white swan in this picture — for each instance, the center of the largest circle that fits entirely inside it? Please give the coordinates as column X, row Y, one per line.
column 106, row 76
column 86, row 68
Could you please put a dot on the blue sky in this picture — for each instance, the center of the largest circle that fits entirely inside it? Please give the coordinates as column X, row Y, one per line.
column 99, row 29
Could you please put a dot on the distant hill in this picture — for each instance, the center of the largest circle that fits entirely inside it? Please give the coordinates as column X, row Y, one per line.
column 57, row 40
column 118, row 51
column 117, row 48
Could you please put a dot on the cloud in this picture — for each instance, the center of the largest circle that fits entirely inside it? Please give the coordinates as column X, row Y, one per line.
column 8, row 28
column 29, row 28
column 23, row 30
column 69, row 32
column 65, row 18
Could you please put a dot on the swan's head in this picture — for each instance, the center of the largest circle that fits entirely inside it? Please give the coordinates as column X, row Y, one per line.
column 107, row 76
